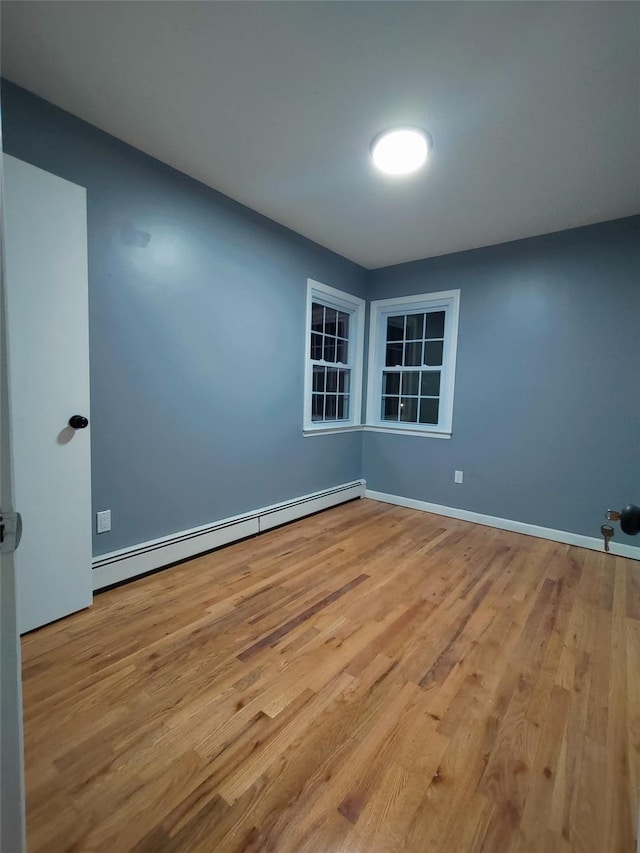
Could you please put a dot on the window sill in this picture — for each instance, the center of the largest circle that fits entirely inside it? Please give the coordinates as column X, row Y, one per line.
column 329, row 430
column 423, row 433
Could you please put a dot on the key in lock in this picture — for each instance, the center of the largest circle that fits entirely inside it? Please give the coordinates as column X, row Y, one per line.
column 607, row 534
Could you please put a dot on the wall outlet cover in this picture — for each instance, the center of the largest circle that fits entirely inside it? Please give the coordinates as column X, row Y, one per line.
column 103, row 521
column 457, row 477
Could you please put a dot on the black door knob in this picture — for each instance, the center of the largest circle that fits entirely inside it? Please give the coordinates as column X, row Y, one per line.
column 630, row 520
column 78, row 422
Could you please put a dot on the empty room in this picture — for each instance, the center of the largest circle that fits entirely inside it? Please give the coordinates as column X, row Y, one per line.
column 320, row 427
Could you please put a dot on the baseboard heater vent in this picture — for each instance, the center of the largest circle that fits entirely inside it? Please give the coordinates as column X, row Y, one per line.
column 128, row 563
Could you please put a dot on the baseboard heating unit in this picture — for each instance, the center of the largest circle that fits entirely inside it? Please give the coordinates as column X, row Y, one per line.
column 130, row 562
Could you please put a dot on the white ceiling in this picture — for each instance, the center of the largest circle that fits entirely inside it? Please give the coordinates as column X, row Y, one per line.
column 534, row 108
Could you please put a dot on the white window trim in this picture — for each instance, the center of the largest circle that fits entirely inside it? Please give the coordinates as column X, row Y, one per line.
column 316, row 291
column 380, row 309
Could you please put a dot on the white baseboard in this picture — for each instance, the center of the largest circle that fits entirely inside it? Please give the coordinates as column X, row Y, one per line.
column 137, row 560
column 592, row 542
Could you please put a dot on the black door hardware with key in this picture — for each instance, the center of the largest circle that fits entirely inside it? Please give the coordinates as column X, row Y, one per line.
column 629, row 519
column 78, row 422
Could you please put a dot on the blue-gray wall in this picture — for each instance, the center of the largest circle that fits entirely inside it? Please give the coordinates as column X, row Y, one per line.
column 546, row 421
column 196, row 341
column 197, row 355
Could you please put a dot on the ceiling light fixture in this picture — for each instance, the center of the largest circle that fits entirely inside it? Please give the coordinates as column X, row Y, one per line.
column 401, row 150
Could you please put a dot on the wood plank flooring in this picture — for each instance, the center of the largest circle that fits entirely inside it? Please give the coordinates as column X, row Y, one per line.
column 368, row 679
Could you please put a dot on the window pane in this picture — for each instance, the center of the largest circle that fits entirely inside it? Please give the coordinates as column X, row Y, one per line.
column 317, row 317
column 409, row 409
column 343, row 324
column 435, row 324
column 429, row 411
column 316, row 347
column 332, row 379
column 342, row 353
column 390, row 408
column 317, row 407
column 433, row 352
column 413, row 354
column 318, row 378
column 430, row 385
column 330, row 407
column 390, row 383
column 415, row 327
column 329, row 349
column 395, row 328
column 394, row 355
column 343, row 407
column 410, row 380
column 332, row 354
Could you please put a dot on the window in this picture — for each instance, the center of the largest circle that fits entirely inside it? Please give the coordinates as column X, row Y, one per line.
column 412, row 357
column 333, row 356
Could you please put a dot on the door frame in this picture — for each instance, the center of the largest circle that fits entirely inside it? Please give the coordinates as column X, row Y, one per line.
column 12, row 790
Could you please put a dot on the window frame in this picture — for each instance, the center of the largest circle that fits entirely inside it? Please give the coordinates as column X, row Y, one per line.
column 445, row 300
column 331, row 297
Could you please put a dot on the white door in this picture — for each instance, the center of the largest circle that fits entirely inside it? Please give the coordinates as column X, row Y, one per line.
column 12, row 806
column 48, row 349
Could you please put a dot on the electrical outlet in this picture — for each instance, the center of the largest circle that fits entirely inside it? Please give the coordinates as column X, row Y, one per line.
column 103, row 521
column 457, row 477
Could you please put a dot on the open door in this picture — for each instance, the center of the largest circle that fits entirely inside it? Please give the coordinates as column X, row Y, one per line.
column 12, row 804
column 45, row 222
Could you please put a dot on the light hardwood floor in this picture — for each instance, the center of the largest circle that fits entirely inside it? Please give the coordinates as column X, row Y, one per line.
column 368, row 679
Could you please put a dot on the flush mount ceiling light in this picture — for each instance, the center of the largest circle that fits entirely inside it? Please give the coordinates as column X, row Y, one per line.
column 401, row 150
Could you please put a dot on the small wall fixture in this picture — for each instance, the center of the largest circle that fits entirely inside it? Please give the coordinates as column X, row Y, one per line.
column 401, row 150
